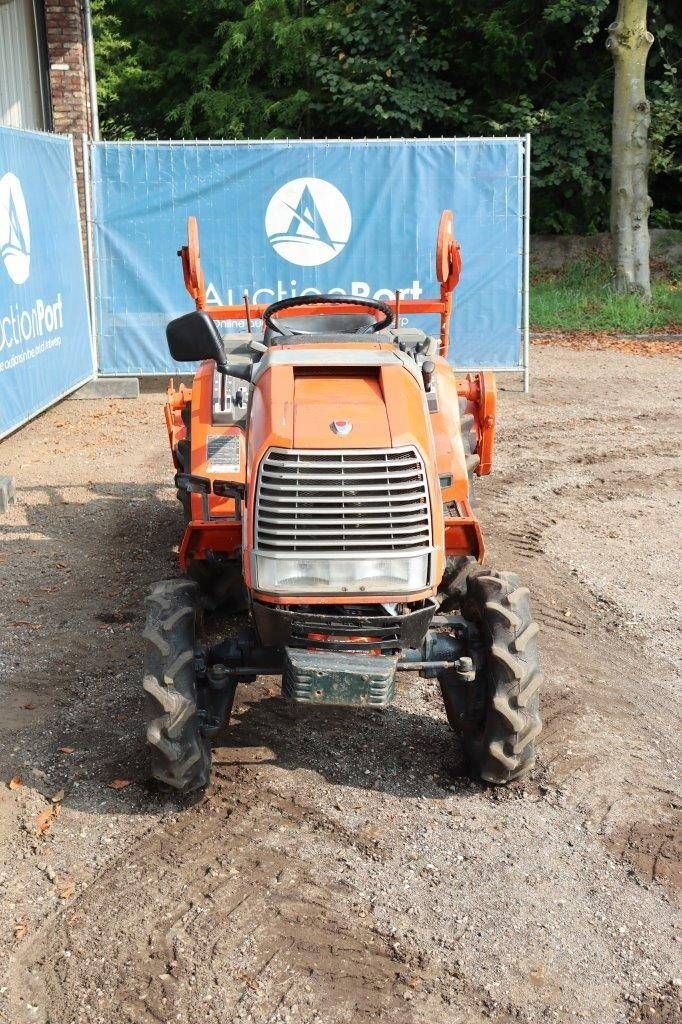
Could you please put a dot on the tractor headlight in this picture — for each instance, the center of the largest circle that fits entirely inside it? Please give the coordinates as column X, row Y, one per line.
column 342, row 575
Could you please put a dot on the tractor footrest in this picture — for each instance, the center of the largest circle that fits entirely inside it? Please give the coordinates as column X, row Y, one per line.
column 331, row 677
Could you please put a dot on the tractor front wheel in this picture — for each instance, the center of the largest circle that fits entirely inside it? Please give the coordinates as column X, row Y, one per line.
column 499, row 713
column 180, row 750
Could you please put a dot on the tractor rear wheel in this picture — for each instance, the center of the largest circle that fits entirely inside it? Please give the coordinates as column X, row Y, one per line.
column 221, row 584
column 500, row 712
column 180, row 751
column 454, row 581
column 467, row 426
column 184, row 456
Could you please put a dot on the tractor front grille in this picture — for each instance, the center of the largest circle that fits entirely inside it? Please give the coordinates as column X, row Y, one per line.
column 354, row 502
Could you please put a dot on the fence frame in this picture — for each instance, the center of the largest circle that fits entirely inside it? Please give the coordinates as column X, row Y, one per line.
column 93, row 374
column 524, row 141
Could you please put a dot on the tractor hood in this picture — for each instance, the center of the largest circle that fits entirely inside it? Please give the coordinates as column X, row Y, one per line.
column 344, row 396
column 343, row 409
column 323, row 524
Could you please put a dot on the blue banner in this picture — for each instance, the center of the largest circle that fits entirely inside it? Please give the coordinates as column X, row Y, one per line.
column 45, row 345
column 290, row 218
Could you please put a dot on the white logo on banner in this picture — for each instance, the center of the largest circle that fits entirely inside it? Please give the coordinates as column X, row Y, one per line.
column 308, row 221
column 15, row 231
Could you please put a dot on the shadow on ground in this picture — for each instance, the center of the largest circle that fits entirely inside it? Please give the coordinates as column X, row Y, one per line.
column 102, row 547
column 393, row 751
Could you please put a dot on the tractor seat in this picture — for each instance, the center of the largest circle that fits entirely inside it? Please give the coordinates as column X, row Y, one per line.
column 327, row 323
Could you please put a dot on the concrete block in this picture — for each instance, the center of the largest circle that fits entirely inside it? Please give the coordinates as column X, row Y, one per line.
column 109, row 387
column 6, row 493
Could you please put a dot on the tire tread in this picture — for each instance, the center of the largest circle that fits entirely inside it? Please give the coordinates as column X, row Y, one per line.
column 504, row 750
column 180, row 752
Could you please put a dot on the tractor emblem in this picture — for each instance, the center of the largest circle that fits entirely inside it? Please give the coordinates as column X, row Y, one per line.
column 341, row 427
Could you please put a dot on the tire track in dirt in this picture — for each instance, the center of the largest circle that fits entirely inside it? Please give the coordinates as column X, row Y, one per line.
column 347, row 870
column 653, row 850
column 600, row 742
column 237, row 926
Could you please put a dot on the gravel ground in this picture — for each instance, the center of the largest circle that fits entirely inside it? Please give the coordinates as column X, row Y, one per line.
column 341, row 868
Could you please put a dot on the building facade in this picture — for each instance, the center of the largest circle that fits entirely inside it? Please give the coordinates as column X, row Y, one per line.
column 47, row 71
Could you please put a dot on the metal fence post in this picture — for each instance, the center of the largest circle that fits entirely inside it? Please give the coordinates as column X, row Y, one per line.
column 87, row 182
column 526, row 264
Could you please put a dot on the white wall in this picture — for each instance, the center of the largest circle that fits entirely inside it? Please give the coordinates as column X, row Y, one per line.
column 20, row 96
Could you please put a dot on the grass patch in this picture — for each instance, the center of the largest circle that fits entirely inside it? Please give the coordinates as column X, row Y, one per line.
column 580, row 298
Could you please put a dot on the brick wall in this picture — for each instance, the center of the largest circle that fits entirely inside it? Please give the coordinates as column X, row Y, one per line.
column 67, row 57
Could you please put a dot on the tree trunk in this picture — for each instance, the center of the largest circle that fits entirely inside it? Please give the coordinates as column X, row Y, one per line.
column 629, row 43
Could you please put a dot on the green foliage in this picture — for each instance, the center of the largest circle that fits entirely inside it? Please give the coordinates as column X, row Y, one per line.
column 204, row 68
column 313, row 68
column 379, row 75
column 580, row 298
column 116, row 67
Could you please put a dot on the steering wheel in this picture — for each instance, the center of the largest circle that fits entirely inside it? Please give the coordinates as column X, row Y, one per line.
column 316, row 300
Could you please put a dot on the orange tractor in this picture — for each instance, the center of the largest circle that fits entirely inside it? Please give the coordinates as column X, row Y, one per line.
column 325, row 470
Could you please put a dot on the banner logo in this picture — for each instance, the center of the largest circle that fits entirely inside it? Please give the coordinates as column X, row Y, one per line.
column 308, row 221
column 15, row 231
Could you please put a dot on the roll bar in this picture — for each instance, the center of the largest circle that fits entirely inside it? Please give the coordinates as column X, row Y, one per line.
column 448, row 270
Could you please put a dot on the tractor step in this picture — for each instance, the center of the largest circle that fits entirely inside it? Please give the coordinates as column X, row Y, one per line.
column 331, row 677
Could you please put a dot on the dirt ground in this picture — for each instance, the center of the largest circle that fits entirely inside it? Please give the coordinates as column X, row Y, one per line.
column 341, row 868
